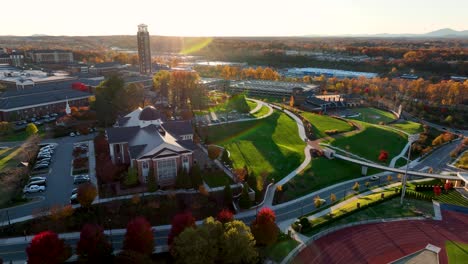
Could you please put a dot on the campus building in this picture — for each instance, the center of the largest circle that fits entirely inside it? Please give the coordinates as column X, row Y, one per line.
column 271, row 88
column 51, row 56
column 144, row 51
column 146, row 141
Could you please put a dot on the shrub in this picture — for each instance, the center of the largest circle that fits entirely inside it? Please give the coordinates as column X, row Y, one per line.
column 244, row 201
column 131, row 178
column 46, row 247
column 264, row 227
column 139, row 236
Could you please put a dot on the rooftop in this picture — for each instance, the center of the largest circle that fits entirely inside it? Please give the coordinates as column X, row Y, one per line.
column 272, row 85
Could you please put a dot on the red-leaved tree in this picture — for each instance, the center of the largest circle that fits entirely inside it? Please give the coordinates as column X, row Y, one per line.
column 225, row 216
column 46, row 247
column 383, row 156
column 179, row 223
column 264, row 227
column 437, row 190
column 93, row 245
column 448, row 186
column 139, row 236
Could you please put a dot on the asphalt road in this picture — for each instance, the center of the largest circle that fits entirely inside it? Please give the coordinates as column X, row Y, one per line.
column 293, row 209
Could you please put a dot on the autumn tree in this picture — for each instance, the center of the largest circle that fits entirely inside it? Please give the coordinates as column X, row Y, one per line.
column 389, row 178
column 179, row 223
column 46, row 247
column 238, row 243
column 161, row 83
column 318, row 201
column 93, row 246
column 31, row 129
column 214, row 151
column 264, row 227
column 291, row 101
column 225, row 216
column 332, row 198
column 139, row 236
column 199, row 245
column 86, row 194
column 356, row 187
column 383, row 156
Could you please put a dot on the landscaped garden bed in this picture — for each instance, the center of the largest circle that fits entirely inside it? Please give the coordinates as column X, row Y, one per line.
column 80, row 164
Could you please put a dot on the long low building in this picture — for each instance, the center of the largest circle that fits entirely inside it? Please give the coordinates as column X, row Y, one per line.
column 40, row 100
column 271, row 88
column 299, row 72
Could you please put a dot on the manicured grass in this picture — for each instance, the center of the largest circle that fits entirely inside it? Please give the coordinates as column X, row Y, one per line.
column 8, row 158
column 252, row 104
column 373, row 115
column 387, row 209
column 322, row 123
column 321, row 173
column 263, row 111
column 456, row 252
column 400, row 162
column 409, row 127
column 371, row 140
column 278, row 251
column 452, row 197
column 270, row 145
column 463, row 161
column 21, row 135
column 216, row 178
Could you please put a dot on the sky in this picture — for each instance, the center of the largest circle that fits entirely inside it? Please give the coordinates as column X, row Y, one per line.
column 233, row 18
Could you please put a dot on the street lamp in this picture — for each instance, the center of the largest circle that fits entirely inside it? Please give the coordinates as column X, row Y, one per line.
column 411, row 139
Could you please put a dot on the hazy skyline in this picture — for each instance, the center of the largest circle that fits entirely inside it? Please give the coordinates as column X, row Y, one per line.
column 234, row 18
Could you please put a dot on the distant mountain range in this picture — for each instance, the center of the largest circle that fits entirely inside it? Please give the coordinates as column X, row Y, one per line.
column 441, row 33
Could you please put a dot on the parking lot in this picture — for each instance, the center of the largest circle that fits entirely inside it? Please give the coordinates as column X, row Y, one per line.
column 59, row 179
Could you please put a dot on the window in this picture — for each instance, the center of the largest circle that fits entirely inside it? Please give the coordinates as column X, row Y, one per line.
column 144, row 164
column 167, row 168
column 185, row 162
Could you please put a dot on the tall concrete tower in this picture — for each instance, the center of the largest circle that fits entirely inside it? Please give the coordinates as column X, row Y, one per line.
column 144, row 51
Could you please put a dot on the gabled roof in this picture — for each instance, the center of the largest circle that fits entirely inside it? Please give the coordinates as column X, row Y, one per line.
column 178, row 128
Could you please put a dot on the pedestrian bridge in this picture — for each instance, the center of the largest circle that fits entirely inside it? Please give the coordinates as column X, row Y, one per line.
column 396, row 170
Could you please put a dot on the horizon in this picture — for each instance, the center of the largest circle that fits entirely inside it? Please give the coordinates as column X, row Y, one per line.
column 209, row 18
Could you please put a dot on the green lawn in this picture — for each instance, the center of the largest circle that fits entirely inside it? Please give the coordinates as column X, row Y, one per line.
column 387, row 209
column 216, row 179
column 263, row 111
column 321, row 173
column 321, row 123
column 373, row 115
column 463, row 161
column 452, row 197
column 400, row 162
column 271, row 145
column 456, row 252
column 21, row 135
column 371, row 140
column 409, row 127
column 278, row 251
column 252, row 104
column 7, row 158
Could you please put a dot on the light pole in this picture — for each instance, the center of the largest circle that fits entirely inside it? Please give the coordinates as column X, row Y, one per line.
column 411, row 139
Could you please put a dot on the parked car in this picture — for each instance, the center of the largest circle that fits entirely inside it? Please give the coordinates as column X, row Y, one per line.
column 39, row 182
column 43, row 156
column 34, row 189
column 37, row 178
column 54, row 114
column 38, row 123
column 74, row 199
column 81, row 179
column 41, row 167
column 374, row 178
column 74, row 191
column 72, row 134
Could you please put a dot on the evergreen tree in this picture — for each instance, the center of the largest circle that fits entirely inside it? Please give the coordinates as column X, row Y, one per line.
column 196, row 176
column 244, row 201
column 227, row 194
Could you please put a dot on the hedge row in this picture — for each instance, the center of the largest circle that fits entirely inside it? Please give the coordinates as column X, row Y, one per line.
column 307, row 226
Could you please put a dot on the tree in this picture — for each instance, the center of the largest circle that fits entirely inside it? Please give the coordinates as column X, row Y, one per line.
column 383, row 156
column 332, row 198
column 356, row 187
column 244, row 201
column 238, row 243
column 93, row 246
column 152, row 184
column 139, row 236
column 196, row 176
column 131, row 179
column 86, row 194
column 389, row 178
column 227, row 194
column 214, row 152
column 264, row 227
column 367, row 184
column 318, row 201
column 161, row 83
column 31, row 129
column 46, row 247
column 225, row 216
column 183, row 180
column 179, row 223
column 199, row 245
column 107, row 99
column 291, row 101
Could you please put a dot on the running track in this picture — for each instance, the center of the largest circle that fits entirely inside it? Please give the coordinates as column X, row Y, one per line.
column 385, row 242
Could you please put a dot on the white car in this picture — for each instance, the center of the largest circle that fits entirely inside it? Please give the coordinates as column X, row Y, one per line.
column 34, row 189
column 72, row 134
column 374, row 178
